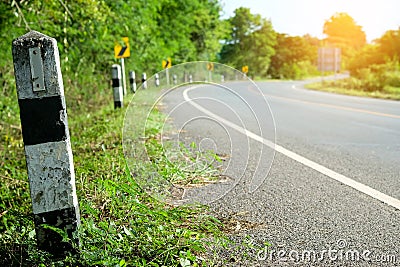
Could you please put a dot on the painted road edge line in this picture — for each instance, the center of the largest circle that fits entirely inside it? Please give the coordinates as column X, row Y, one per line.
column 391, row 201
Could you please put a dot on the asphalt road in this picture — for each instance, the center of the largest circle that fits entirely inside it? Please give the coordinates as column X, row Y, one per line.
column 326, row 194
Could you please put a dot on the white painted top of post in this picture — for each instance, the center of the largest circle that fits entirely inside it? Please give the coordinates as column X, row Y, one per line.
column 51, row 65
column 116, row 71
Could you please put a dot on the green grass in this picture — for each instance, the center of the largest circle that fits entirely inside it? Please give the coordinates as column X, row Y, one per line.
column 388, row 92
column 121, row 225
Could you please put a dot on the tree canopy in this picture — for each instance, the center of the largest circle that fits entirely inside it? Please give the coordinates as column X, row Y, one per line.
column 342, row 31
column 389, row 44
column 292, row 55
column 87, row 30
column 184, row 30
column 250, row 43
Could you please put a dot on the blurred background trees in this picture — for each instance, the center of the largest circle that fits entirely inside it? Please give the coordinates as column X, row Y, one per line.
column 185, row 30
column 343, row 32
column 251, row 42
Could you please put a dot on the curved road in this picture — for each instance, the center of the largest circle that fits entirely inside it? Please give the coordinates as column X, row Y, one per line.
column 332, row 187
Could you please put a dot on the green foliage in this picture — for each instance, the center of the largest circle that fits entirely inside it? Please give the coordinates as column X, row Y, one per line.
column 376, row 80
column 373, row 67
column 251, row 42
column 86, row 31
column 343, row 32
column 295, row 57
column 389, row 45
column 194, row 37
column 348, row 87
column 377, row 77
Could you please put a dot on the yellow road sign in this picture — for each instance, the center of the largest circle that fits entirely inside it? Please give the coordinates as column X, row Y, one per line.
column 210, row 66
column 122, row 51
column 167, row 63
column 245, row 69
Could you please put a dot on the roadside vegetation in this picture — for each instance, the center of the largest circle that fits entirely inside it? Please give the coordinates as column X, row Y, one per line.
column 121, row 225
column 374, row 68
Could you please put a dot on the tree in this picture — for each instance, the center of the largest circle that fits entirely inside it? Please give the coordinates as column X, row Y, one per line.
column 194, row 37
column 342, row 31
column 251, row 42
column 389, row 45
column 86, row 31
column 292, row 54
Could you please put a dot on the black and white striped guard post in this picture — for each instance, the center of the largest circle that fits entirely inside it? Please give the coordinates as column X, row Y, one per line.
column 116, row 76
column 157, row 79
column 47, row 142
column 144, row 81
column 132, row 77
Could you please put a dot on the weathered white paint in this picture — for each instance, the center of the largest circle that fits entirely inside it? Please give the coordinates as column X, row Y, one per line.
column 51, row 65
column 51, row 176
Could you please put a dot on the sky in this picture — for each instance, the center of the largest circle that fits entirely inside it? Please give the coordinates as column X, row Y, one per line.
column 300, row 17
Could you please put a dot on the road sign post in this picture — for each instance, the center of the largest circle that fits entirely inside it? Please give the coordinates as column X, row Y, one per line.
column 47, row 142
column 123, row 75
column 329, row 59
column 245, row 70
column 116, row 76
column 122, row 52
column 166, row 64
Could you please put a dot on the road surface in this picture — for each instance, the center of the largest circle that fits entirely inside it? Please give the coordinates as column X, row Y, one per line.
column 329, row 187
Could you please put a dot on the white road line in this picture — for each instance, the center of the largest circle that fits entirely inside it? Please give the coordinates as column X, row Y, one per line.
column 309, row 163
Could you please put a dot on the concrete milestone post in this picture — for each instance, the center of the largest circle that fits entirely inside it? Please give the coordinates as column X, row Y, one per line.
column 132, row 77
column 116, row 76
column 47, row 142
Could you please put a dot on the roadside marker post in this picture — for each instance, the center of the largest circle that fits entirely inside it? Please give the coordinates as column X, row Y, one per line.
column 210, row 68
column 175, row 78
column 47, row 142
column 222, row 78
column 144, row 81
column 117, row 86
column 132, row 77
column 190, row 78
column 157, row 79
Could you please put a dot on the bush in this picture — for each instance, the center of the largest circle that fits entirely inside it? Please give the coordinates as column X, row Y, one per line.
column 298, row 70
column 376, row 77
